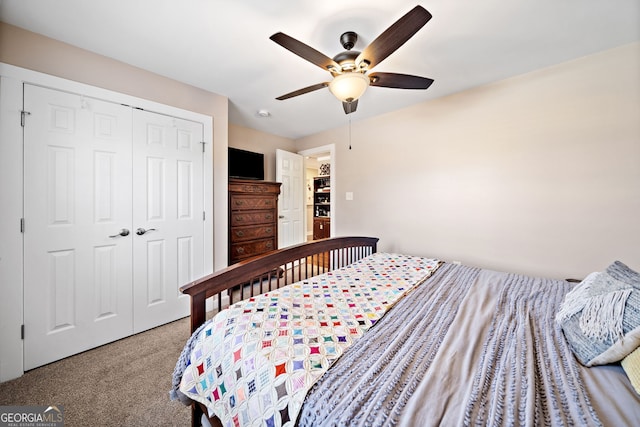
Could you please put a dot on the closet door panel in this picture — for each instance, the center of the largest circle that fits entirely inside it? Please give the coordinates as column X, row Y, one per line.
column 168, row 216
column 77, row 174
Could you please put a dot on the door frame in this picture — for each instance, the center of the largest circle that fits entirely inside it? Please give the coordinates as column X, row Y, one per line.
column 12, row 79
column 331, row 149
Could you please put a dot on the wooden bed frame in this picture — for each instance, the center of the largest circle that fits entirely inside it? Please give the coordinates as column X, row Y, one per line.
column 271, row 271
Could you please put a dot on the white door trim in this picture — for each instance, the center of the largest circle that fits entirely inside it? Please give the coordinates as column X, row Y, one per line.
column 11, row 171
column 11, row 244
column 331, row 149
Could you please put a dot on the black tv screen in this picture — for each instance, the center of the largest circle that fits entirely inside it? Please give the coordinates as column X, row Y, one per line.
column 245, row 164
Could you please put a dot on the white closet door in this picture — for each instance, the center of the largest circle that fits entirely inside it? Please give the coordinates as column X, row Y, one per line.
column 168, row 216
column 77, row 199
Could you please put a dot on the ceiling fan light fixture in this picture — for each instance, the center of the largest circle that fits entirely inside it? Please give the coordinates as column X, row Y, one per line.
column 348, row 87
column 363, row 65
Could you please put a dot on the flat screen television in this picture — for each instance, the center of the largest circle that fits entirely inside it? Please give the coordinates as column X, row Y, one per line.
column 245, row 164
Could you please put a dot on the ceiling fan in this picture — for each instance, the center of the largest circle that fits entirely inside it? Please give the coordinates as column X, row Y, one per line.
column 350, row 69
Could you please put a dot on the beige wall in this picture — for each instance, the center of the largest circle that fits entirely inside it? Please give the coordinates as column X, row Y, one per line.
column 537, row 174
column 260, row 142
column 35, row 52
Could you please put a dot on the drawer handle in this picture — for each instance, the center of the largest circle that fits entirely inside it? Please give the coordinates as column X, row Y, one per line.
column 240, row 250
column 239, row 218
column 239, row 233
column 269, row 245
column 268, row 229
column 268, row 216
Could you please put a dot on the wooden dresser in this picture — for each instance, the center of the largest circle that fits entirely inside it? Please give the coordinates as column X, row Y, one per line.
column 253, row 218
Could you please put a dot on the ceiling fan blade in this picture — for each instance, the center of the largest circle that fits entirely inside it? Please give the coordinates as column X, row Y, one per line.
column 304, row 51
column 350, row 107
column 303, row 91
column 399, row 81
column 394, row 36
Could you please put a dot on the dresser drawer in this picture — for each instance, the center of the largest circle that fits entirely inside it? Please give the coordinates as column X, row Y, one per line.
column 241, row 234
column 240, row 251
column 241, row 218
column 241, row 202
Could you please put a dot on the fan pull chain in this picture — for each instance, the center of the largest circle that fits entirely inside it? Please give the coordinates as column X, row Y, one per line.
column 349, row 132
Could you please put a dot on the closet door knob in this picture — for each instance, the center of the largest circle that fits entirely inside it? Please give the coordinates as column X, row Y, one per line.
column 124, row 232
column 141, row 231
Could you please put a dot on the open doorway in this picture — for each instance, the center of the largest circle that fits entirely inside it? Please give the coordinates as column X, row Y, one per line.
column 319, row 192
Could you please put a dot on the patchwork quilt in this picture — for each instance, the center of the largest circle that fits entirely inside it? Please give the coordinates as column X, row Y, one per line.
column 252, row 364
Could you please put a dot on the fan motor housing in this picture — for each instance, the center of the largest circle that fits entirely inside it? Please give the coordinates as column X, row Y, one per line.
column 347, row 59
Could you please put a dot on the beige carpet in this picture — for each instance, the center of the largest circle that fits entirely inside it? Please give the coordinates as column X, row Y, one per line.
column 125, row 383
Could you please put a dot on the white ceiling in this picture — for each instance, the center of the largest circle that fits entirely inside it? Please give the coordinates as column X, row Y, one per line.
column 223, row 46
